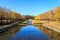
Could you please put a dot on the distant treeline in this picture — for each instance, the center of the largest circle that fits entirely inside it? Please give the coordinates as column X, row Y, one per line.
column 51, row 15
column 8, row 16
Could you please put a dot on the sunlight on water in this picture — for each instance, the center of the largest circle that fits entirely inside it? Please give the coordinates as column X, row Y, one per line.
column 29, row 32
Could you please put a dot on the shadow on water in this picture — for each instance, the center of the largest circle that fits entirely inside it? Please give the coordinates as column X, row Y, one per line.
column 6, row 35
column 29, row 32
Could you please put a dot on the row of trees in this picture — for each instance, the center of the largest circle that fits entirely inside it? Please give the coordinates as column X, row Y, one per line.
column 8, row 16
column 50, row 15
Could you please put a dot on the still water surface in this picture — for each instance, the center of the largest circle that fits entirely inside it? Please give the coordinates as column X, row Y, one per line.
column 29, row 32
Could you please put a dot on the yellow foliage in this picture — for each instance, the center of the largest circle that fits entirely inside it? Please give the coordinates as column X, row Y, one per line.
column 51, row 15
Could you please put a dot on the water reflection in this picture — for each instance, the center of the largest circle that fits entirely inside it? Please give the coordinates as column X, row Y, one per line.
column 29, row 32
column 6, row 35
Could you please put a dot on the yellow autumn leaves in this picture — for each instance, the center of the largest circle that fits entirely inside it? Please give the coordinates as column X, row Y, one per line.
column 50, row 15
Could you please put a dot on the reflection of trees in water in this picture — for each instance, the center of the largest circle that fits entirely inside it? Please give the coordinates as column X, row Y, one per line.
column 6, row 35
column 52, row 35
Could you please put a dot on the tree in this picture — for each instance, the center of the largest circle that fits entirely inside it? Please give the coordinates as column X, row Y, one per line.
column 57, row 13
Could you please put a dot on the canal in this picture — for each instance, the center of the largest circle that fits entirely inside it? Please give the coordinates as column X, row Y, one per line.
column 28, row 32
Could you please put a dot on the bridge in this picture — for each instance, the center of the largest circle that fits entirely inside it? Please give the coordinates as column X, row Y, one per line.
column 30, row 24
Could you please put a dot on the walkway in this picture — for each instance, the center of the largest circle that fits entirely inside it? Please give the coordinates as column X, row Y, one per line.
column 52, row 25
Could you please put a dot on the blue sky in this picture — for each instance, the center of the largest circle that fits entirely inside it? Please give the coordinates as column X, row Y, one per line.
column 30, row 7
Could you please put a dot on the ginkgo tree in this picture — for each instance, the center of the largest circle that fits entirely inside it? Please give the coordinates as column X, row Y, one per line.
column 57, row 13
column 51, row 15
column 8, row 16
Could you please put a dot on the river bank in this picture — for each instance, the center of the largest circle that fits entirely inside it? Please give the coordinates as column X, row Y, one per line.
column 51, row 29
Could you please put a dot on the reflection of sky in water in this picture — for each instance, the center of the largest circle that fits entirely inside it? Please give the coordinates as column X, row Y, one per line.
column 29, row 33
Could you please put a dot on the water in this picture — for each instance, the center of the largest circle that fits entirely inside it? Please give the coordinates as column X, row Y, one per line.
column 29, row 32
column 6, row 35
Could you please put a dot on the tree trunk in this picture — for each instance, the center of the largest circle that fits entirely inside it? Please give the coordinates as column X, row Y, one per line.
column 1, row 19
